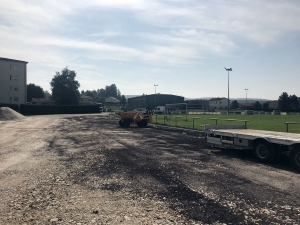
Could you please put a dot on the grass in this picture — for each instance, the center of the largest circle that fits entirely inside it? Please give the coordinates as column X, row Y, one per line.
column 257, row 121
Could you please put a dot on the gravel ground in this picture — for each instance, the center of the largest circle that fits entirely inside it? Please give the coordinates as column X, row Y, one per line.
column 85, row 169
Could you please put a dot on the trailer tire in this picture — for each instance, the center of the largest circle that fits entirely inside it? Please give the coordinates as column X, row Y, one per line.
column 121, row 123
column 126, row 123
column 264, row 151
column 295, row 157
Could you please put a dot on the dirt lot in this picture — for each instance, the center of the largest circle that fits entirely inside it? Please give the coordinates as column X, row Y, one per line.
column 85, row 169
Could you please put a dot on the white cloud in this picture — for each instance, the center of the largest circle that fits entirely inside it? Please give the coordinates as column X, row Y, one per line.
column 52, row 34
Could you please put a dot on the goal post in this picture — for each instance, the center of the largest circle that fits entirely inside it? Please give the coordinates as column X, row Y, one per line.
column 177, row 108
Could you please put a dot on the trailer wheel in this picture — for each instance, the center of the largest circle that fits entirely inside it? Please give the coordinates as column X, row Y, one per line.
column 264, row 151
column 295, row 158
column 121, row 123
column 126, row 123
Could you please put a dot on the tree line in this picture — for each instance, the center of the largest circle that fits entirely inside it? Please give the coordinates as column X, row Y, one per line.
column 285, row 102
column 64, row 88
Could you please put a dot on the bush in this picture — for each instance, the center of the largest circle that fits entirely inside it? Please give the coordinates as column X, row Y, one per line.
column 12, row 106
column 58, row 109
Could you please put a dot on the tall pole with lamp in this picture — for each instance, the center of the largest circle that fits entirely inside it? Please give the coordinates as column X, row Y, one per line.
column 230, row 69
column 246, row 98
column 155, row 85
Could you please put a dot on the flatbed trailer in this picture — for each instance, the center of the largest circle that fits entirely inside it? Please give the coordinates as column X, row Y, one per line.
column 268, row 146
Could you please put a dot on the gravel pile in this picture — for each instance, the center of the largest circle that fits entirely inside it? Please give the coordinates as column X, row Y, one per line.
column 9, row 114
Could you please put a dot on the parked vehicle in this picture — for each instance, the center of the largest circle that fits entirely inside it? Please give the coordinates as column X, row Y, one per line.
column 268, row 146
column 136, row 116
column 100, row 106
column 160, row 110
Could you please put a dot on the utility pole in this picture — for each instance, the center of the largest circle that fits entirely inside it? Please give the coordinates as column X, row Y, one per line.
column 155, row 85
column 230, row 69
column 246, row 97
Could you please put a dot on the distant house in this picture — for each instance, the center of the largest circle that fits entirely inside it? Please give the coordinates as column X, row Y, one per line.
column 42, row 101
column 86, row 100
column 273, row 105
column 111, row 100
column 218, row 103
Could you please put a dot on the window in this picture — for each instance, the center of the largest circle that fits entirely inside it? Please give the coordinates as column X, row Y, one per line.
column 9, row 77
column 10, row 99
column 15, row 77
column 16, row 88
column 16, row 99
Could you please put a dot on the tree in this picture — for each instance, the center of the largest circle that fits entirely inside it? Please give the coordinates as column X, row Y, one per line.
column 293, row 102
column 123, row 101
column 119, row 96
column 234, row 104
column 257, row 105
column 34, row 91
column 101, row 93
column 65, row 88
column 111, row 91
column 283, row 101
column 265, row 105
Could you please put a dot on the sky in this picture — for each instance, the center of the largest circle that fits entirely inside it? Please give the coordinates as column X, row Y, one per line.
column 180, row 45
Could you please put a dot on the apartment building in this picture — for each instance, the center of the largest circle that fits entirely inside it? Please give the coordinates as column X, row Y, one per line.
column 218, row 103
column 13, row 80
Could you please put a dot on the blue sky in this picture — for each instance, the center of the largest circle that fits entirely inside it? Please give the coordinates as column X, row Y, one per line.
column 181, row 45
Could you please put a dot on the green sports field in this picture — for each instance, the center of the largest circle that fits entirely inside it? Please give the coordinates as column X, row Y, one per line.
column 257, row 121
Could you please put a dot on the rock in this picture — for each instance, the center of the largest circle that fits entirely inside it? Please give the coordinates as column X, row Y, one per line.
column 54, row 220
column 95, row 211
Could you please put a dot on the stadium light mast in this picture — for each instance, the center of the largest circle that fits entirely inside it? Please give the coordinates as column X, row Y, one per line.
column 246, row 97
column 230, row 69
column 155, row 85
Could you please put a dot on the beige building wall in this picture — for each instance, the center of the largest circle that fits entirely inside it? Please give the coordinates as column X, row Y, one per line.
column 218, row 103
column 13, row 81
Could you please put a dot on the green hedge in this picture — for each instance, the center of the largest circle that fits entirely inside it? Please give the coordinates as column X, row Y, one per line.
column 57, row 109
column 12, row 106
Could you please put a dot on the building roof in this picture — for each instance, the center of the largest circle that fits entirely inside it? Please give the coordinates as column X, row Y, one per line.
column 112, row 98
column 12, row 60
column 157, row 94
column 85, row 96
column 217, row 99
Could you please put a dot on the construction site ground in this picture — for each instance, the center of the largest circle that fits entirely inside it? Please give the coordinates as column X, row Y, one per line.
column 85, row 169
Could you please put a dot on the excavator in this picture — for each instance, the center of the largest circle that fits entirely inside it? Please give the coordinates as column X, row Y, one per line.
column 136, row 116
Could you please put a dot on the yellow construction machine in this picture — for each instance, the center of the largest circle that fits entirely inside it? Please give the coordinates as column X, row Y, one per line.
column 136, row 116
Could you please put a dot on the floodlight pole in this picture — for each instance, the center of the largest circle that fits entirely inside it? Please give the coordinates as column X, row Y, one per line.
column 246, row 97
column 230, row 69
column 155, row 85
